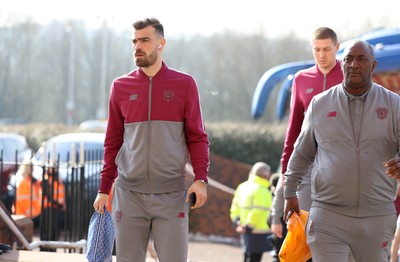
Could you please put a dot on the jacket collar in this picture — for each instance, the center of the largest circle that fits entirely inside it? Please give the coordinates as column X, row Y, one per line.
column 163, row 68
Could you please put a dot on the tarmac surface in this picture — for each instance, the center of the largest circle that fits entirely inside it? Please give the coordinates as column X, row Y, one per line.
column 215, row 252
column 201, row 249
column 198, row 252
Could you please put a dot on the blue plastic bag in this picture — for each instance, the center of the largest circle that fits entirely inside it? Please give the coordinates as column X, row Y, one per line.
column 101, row 236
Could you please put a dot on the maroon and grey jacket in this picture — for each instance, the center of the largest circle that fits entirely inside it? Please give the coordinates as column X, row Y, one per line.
column 306, row 84
column 155, row 127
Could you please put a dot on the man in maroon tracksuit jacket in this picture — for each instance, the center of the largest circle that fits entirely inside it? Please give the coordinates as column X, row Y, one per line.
column 306, row 84
column 154, row 128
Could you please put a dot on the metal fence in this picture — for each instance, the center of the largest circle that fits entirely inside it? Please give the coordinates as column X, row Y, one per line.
column 66, row 205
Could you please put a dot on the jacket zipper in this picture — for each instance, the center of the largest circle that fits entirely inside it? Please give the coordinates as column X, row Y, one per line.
column 149, row 126
column 358, row 113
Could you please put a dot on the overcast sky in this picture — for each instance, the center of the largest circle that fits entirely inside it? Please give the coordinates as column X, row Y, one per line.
column 188, row 17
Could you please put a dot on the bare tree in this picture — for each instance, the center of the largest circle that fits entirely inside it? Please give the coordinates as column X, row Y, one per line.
column 51, row 71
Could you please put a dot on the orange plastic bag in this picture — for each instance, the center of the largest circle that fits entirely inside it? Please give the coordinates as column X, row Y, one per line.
column 294, row 247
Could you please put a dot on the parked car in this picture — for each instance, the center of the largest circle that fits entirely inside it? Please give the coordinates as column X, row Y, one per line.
column 88, row 146
column 57, row 152
column 77, row 159
column 86, row 161
column 13, row 149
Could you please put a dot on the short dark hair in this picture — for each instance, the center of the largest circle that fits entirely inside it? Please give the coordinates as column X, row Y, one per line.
column 325, row 33
column 154, row 22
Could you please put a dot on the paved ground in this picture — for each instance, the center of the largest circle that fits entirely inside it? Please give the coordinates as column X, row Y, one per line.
column 214, row 252
column 198, row 252
column 201, row 249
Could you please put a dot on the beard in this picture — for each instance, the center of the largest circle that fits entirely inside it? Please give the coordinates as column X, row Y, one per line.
column 147, row 60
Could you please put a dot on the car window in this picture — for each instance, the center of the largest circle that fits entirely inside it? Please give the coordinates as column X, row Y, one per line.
column 93, row 151
column 9, row 148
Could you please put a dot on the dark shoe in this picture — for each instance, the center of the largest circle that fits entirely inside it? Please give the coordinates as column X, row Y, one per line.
column 4, row 247
column 275, row 257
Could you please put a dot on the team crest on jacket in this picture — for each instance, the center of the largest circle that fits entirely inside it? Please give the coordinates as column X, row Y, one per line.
column 168, row 95
column 382, row 112
column 332, row 114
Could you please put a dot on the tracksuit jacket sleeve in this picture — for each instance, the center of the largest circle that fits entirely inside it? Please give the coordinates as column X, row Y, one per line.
column 112, row 144
column 196, row 136
column 278, row 204
column 303, row 155
column 294, row 126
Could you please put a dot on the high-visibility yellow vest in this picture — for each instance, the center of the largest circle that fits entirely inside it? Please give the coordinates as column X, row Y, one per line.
column 251, row 204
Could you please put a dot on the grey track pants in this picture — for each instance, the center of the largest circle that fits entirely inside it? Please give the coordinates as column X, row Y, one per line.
column 334, row 237
column 139, row 216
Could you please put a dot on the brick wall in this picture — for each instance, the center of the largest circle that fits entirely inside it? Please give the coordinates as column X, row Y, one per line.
column 213, row 218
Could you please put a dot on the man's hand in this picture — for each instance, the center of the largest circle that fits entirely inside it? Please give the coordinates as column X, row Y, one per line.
column 240, row 229
column 393, row 165
column 200, row 189
column 277, row 230
column 100, row 202
column 291, row 203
